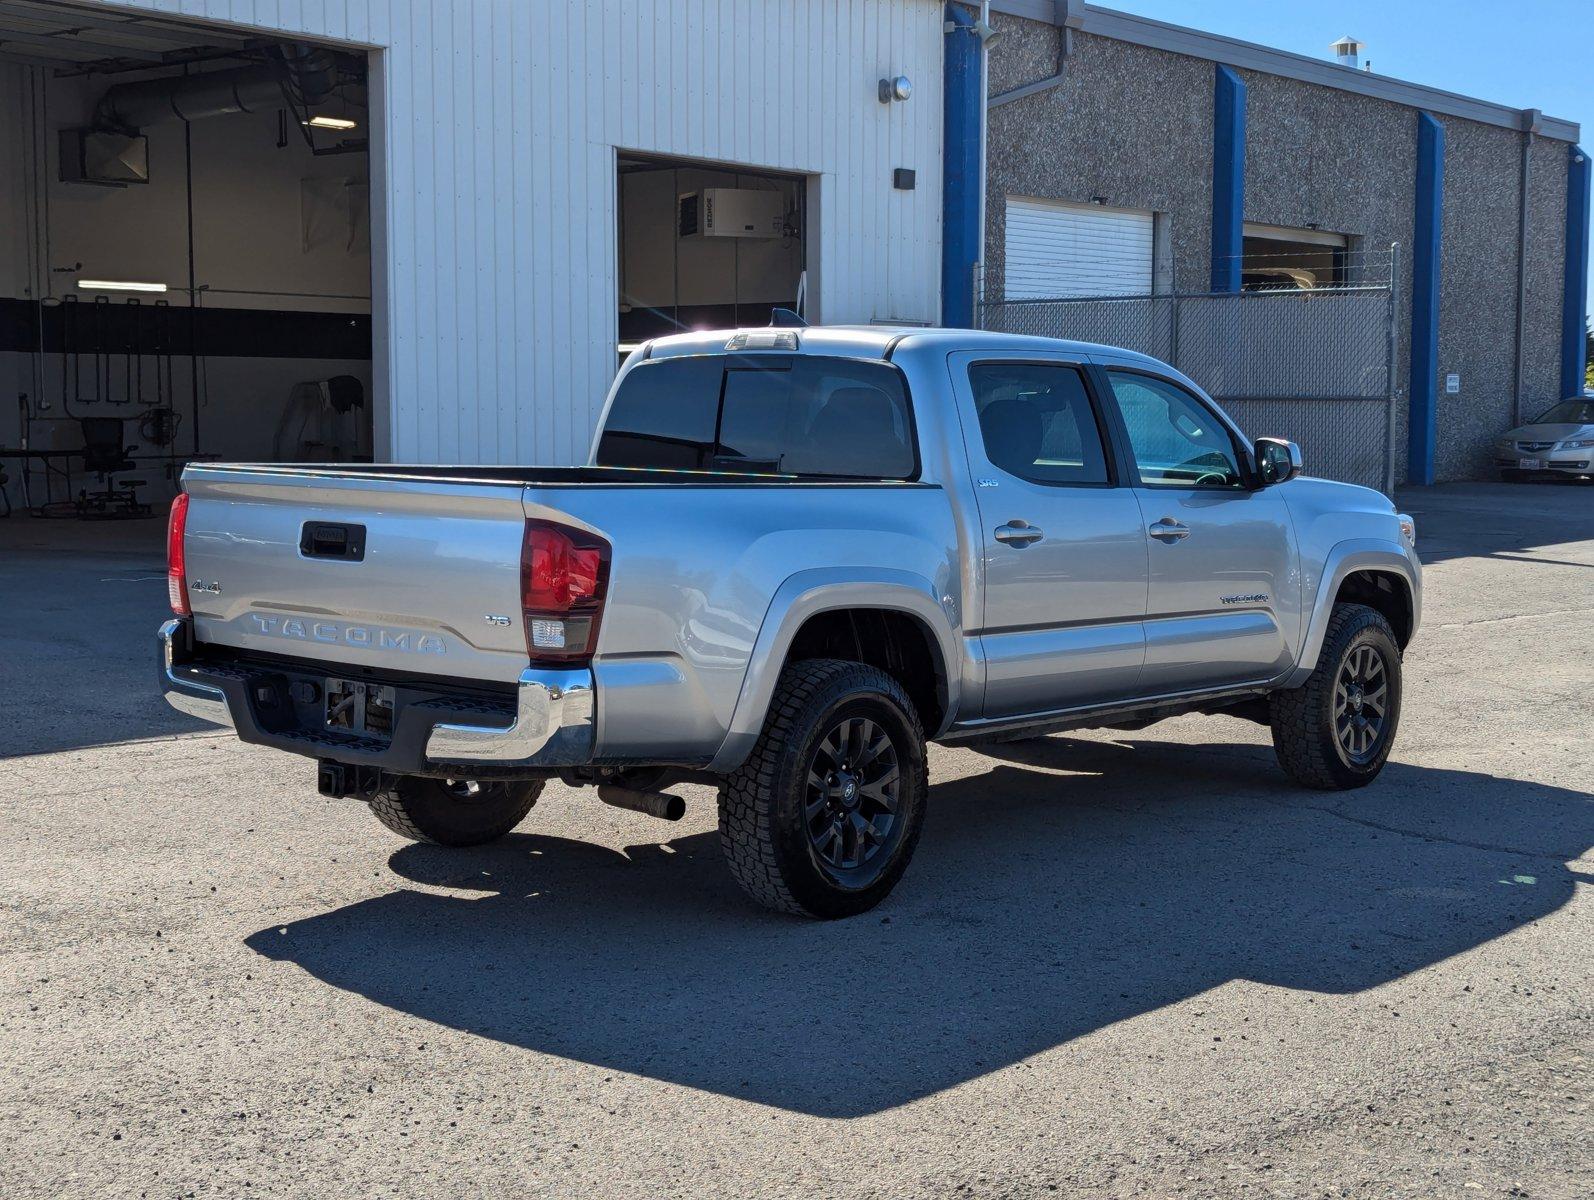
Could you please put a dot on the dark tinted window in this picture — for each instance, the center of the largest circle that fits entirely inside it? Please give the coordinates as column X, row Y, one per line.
column 791, row 415
column 1176, row 440
column 664, row 416
column 1037, row 422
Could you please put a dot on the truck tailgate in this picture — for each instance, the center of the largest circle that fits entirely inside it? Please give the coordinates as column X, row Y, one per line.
column 412, row 574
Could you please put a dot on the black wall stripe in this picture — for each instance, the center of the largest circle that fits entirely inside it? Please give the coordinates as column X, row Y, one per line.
column 119, row 328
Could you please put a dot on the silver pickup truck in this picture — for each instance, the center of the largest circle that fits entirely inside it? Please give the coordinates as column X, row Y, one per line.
column 796, row 557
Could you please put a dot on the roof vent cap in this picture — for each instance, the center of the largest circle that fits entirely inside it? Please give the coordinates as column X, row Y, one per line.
column 1347, row 51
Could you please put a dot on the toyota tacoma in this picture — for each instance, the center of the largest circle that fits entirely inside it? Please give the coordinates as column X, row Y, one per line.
column 795, row 557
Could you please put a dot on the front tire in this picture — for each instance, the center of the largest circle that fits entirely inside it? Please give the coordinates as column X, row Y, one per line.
column 1336, row 731
column 823, row 817
column 454, row 812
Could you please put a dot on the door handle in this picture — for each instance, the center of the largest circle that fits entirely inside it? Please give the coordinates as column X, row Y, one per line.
column 1018, row 533
column 1169, row 530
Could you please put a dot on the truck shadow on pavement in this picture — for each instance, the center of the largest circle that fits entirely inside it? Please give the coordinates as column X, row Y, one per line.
column 1074, row 885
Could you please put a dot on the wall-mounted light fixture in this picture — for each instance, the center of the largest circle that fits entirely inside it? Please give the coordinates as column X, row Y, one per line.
column 118, row 285
column 324, row 122
column 900, row 88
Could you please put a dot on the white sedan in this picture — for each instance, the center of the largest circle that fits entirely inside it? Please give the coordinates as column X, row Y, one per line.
column 1560, row 442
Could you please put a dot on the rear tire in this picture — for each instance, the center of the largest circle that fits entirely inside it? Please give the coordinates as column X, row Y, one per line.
column 1336, row 731
column 823, row 817
column 454, row 812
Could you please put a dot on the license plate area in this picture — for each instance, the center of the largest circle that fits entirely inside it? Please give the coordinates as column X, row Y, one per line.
column 362, row 708
column 1530, row 464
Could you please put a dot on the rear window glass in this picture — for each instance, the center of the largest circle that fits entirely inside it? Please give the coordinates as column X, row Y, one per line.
column 664, row 416
column 804, row 415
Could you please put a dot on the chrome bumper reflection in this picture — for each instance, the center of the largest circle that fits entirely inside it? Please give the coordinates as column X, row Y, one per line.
column 553, row 725
column 188, row 695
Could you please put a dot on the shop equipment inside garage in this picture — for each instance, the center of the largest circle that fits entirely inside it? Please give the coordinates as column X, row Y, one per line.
column 185, row 265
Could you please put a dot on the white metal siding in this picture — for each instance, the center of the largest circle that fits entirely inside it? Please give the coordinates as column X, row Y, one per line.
column 502, row 121
column 1055, row 248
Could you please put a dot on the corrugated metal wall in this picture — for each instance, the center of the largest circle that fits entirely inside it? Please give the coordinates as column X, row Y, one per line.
column 502, row 121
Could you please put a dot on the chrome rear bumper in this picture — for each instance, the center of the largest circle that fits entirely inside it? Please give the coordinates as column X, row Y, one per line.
column 553, row 724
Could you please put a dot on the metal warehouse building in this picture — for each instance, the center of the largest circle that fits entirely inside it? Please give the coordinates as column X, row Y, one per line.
column 1410, row 264
column 426, row 229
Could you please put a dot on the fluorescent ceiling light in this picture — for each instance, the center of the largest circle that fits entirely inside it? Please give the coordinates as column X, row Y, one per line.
column 118, row 285
column 333, row 123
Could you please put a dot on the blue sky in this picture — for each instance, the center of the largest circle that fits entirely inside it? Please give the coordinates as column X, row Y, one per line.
column 1529, row 54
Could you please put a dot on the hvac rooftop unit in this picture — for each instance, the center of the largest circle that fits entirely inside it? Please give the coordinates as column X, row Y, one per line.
column 731, row 212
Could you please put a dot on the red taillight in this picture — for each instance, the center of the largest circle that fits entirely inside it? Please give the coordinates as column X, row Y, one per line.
column 564, row 573
column 176, row 583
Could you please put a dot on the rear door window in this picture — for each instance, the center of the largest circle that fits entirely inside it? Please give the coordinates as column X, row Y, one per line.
column 1037, row 422
column 805, row 415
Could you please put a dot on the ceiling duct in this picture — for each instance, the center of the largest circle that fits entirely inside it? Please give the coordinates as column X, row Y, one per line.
column 298, row 76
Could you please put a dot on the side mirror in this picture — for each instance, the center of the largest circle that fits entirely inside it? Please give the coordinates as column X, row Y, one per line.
column 1277, row 461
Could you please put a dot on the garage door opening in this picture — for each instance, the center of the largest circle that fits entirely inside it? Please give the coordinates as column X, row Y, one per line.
column 187, row 266
column 705, row 246
column 1278, row 258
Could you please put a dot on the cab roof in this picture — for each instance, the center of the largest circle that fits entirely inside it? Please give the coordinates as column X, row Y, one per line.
column 873, row 341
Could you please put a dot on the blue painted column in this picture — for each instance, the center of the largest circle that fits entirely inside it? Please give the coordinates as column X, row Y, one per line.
column 1574, row 296
column 961, row 182
column 1228, row 179
column 1422, row 429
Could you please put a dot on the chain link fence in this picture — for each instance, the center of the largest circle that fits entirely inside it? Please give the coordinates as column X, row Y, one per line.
column 1312, row 365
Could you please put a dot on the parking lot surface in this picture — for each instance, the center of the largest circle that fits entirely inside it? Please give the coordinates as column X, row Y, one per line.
column 1122, row 963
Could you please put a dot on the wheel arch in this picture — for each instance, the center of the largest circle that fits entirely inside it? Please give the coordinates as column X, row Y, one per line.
column 870, row 618
column 1364, row 571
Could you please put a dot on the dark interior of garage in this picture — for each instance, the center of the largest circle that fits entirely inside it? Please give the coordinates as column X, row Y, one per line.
column 186, row 265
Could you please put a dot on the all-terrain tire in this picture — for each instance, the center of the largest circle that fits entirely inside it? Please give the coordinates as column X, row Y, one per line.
column 1306, row 720
column 765, row 832
column 454, row 812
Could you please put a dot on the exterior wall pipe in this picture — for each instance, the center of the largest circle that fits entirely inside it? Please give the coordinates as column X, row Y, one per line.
column 1422, row 430
column 1228, row 178
column 961, row 183
column 1574, row 295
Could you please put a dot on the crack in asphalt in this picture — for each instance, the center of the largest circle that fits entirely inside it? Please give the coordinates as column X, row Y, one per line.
column 1493, row 848
column 1556, row 612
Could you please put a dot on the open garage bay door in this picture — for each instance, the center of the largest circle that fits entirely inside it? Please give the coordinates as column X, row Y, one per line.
column 186, row 272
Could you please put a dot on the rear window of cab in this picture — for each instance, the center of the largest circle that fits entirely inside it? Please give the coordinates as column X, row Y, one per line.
column 810, row 416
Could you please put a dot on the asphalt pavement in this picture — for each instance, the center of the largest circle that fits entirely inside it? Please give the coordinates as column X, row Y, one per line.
column 1122, row 964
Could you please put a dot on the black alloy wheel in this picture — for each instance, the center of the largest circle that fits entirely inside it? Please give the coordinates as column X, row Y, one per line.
column 851, row 804
column 1361, row 703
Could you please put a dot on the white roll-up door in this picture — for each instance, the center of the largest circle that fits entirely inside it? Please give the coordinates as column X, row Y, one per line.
column 1059, row 249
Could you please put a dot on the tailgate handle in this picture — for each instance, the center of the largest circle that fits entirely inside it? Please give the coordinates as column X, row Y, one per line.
column 319, row 539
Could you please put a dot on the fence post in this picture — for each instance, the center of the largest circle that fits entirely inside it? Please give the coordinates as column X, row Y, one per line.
column 1392, row 385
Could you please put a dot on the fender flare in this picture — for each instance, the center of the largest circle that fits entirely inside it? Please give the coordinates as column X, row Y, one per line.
column 828, row 589
column 1345, row 559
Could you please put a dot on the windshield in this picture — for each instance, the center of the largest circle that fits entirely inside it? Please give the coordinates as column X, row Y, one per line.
column 1569, row 412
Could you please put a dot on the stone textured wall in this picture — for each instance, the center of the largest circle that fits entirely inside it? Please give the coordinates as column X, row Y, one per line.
column 1130, row 125
column 1541, row 340
column 1347, row 164
column 1477, row 293
column 1133, row 126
